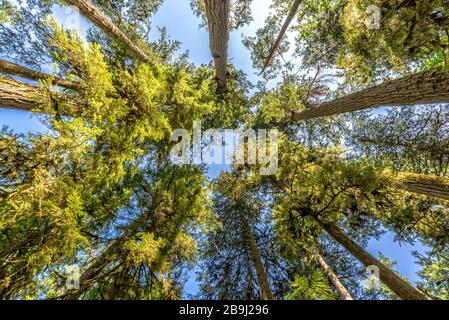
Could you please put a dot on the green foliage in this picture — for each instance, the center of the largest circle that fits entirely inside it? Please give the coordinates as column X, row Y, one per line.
column 96, row 191
column 314, row 287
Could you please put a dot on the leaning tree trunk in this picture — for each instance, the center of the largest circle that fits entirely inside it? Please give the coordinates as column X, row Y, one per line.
column 94, row 15
column 218, row 19
column 113, row 250
column 422, row 88
column 26, row 240
column 14, row 69
column 257, row 259
column 14, row 94
column 428, row 185
column 281, row 35
column 344, row 293
column 401, row 288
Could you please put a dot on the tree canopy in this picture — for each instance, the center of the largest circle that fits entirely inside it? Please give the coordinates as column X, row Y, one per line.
column 358, row 91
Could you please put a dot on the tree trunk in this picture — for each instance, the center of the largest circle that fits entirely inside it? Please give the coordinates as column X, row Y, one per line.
column 422, row 88
column 428, row 185
column 113, row 250
column 401, row 288
column 344, row 293
column 14, row 69
column 22, row 96
column 94, row 15
column 218, row 19
column 279, row 38
column 24, row 241
column 261, row 276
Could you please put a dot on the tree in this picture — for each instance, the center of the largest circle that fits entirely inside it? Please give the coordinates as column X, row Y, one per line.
column 288, row 20
column 426, row 87
column 94, row 15
column 218, row 21
column 242, row 248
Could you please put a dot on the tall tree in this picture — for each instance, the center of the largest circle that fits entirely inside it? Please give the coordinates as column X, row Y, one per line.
column 426, row 87
column 218, row 20
column 287, row 22
column 94, row 15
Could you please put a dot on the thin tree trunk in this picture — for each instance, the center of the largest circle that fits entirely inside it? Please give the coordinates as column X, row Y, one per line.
column 14, row 94
column 422, row 88
column 257, row 259
column 24, row 241
column 344, row 293
column 94, row 15
column 284, row 29
column 401, row 288
column 113, row 250
column 428, row 185
column 14, row 69
column 218, row 19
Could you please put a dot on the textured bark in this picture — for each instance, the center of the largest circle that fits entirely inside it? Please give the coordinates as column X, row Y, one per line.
column 14, row 69
column 94, row 15
column 281, row 35
column 401, row 288
column 218, row 19
column 14, row 94
column 428, row 185
column 344, row 293
column 261, row 275
column 422, row 88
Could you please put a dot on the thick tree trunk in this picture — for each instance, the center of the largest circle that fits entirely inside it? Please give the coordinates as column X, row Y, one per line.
column 94, row 15
column 281, row 35
column 344, row 293
column 24, row 241
column 428, row 185
column 422, row 88
column 18, row 95
column 401, row 288
column 218, row 19
column 257, row 259
column 14, row 94
column 14, row 69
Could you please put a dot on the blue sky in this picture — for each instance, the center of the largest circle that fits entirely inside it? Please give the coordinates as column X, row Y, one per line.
column 182, row 25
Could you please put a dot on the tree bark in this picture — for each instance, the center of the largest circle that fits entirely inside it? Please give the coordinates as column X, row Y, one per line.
column 426, row 87
column 427, row 185
column 113, row 250
column 17, row 95
column 218, row 19
column 284, row 29
column 14, row 69
column 257, row 259
column 24, row 241
column 93, row 14
column 401, row 288
column 344, row 293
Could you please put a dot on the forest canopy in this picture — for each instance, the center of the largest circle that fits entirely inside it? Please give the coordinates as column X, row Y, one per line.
column 94, row 207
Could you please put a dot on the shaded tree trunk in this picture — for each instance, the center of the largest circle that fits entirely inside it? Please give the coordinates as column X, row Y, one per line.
column 218, row 19
column 14, row 94
column 281, row 35
column 427, row 185
column 113, row 250
column 400, row 287
column 24, row 241
column 257, row 259
column 344, row 293
column 14, row 69
column 422, row 88
column 94, row 15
